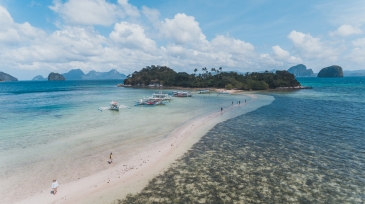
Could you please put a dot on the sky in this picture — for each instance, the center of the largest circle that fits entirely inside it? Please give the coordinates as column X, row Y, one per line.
column 42, row 36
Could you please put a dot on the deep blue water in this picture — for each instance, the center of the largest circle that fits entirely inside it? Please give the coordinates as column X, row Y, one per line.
column 307, row 146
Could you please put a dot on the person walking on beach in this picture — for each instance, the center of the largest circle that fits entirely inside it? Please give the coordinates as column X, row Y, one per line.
column 111, row 157
column 54, row 186
column 221, row 109
column 239, row 102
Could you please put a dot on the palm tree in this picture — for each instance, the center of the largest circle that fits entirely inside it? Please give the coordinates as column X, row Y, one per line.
column 195, row 70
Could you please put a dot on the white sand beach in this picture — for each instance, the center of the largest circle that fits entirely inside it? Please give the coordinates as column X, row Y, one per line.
column 130, row 174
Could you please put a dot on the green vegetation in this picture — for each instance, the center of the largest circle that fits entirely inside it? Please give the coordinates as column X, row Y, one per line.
column 162, row 75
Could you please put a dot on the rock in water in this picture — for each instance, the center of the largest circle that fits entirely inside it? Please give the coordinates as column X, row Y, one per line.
column 331, row 71
column 301, row 70
column 55, row 77
column 7, row 77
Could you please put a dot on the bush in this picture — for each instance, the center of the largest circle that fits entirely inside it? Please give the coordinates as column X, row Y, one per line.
column 229, row 86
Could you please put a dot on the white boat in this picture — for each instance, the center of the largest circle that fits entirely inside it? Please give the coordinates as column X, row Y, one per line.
column 203, row 92
column 114, row 106
column 181, row 94
column 160, row 97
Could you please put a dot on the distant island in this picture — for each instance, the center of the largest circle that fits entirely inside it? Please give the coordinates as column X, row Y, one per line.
column 55, row 77
column 354, row 73
column 165, row 76
column 39, row 78
column 301, row 70
column 7, row 77
column 78, row 74
column 331, row 71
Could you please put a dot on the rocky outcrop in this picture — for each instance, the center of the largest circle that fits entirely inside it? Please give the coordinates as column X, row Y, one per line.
column 7, row 77
column 56, row 77
column 331, row 71
column 301, row 70
column 39, row 78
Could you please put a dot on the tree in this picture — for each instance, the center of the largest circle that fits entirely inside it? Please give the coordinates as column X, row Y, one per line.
column 195, row 70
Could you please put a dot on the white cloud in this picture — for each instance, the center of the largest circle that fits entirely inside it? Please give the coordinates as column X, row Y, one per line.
column 280, row 53
column 267, row 60
column 12, row 33
column 132, row 36
column 93, row 12
column 359, row 42
column 233, row 46
column 357, row 55
column 346, row 30
column 129, row 9
column 312, row 48
column 284, row 55
column 183, row 29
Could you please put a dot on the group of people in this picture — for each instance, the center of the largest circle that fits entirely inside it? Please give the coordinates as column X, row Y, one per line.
column 238, row 102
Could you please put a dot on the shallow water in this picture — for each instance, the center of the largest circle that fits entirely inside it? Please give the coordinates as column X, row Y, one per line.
column 54, row 129
column 306, row 147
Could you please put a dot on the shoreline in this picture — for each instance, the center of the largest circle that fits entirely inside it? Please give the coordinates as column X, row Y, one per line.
column 132, row 175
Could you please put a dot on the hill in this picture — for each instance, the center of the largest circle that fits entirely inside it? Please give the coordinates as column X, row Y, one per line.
column 7, row 77
column 78, row 74
column 301, row 70
column 162, row 75
column 354, row 73
column 331, row 71
column 39, row 78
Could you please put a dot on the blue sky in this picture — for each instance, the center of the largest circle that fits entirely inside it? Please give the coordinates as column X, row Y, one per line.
column 37, row 37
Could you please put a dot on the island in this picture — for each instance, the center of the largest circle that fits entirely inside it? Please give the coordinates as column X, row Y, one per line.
column 39, row 78
column 7, row 77
column 55, row 77
column 152, row 76
column 78, row 74
column 301, row 70
column 331, row 71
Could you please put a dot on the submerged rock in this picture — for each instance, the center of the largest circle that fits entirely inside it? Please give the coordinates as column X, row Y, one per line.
column 331, row 71
column 55, row 77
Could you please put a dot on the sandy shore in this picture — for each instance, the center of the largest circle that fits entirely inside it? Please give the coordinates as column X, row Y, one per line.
column 130, row 176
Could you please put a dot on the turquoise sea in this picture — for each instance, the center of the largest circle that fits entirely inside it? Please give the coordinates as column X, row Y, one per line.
column 303, row 146
column 307, row 146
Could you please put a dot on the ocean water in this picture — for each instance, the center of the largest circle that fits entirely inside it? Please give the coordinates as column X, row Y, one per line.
column 307, row 146
column 54, row 130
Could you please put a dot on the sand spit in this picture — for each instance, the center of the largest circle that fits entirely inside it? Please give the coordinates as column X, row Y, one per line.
column 132, row 175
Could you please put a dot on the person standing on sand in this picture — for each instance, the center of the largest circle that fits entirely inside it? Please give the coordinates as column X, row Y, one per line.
column 111, row 157
column 54, row 186
column 221, row 109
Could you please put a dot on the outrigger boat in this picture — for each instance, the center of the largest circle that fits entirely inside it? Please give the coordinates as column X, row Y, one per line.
column 160, row 97
column 181, row 94
column 114, row 106
column 142, row 102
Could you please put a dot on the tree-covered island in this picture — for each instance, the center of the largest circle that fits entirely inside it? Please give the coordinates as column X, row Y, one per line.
column 162, row 75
